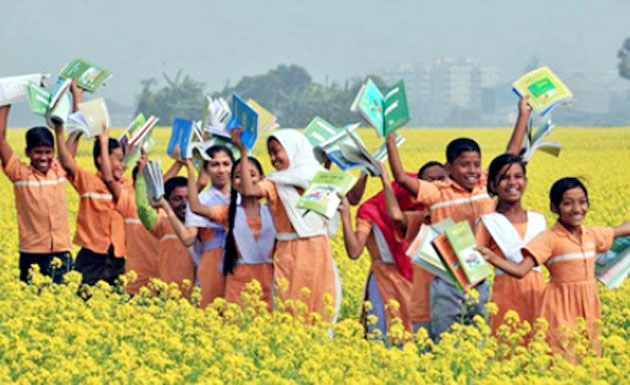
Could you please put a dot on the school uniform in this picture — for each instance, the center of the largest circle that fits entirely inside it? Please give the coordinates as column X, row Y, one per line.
column 449, row 199
column 572, row 290
column 42, row 216
column 505, row 239
column 100, row 229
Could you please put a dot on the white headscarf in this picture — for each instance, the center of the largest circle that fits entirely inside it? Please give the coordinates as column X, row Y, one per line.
column 302, row 163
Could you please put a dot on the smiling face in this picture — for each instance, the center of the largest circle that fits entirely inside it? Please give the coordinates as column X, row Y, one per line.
column 41, row 158
column 278, row 155
column 466, row 169
column 178, row 199
column 117, row 158
column 219, row 168
column 251, row 169
column 572, row 208
column 511, row 183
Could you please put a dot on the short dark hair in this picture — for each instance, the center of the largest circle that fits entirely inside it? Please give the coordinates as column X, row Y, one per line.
column 39, row 136
column 458, row 146
column 497, row 165
column 96, row 151
column 563, row 185
column 427, row 165
column 173, row 183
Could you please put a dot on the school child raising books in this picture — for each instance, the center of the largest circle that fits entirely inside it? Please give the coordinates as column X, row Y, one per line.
column 302, row 258
column 462, row 196
column 568, row 251
column 174, row 262
column 209, row 233
column 40, row 202
column 100, row 228
column 505, row 232
column 250, row 236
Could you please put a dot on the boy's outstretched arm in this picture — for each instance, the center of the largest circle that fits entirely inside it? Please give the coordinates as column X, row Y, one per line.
column 106, row 165
column 520, row 128
column 354, row 242
column 5, row 148
column 409, row 183
column 64, row 154
column 391, row 203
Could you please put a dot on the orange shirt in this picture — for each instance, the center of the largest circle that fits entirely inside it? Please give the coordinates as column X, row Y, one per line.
column 99, row 225
column 40, row 202
column 568, row 258
column 449, row 199
column 420, row 303
column 174, row 261
column 141, row 245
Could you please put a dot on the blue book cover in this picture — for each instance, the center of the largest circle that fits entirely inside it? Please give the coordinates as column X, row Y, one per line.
column 371, row 106
column 181, row 134
column 243, row 115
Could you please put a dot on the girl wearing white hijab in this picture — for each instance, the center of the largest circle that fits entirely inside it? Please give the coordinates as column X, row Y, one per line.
column 302, row 258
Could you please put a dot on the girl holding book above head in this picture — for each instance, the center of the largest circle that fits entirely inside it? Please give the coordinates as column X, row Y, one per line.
column 505, row 232
column 303, row 265
column 250, row 236
column 209, row 233
column 568, row 251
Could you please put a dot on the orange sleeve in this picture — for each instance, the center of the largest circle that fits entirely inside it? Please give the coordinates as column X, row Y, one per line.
column 219, row 214
column 81, row 179
column 269, row 190
column 428, row 193
column 482, row 236
column 541, row 247
column 364, row 226
column 14, row 168
column 604, row 237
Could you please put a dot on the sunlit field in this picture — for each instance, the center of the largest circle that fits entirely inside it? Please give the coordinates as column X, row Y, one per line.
column 50, row 335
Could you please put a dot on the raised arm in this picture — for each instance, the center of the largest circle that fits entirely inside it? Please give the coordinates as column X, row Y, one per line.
column 355, row 195
column 391, row 203
column 77, row 95
column 354, row 242
column 248, row 187
column 622, row 230
column 520, row 128
column 5, row 148
column 176, row 166
column 407, row 182
column 65, row 156
column 106, row 165
column 195, row 205
column 186, row 234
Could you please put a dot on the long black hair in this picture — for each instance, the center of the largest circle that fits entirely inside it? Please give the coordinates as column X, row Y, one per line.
column 230, row 252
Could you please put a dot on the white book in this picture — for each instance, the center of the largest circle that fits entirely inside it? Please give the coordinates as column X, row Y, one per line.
column 152, row 173
column 13, row 88
column 96, row 115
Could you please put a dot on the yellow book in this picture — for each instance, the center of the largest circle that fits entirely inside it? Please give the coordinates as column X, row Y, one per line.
column 545, row 89
column 266, row 120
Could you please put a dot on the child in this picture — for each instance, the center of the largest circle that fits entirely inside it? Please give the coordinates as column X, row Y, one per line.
column 505, row 232
column 302, row 257
column 250, row 237
column 568, row 251
column 461, row 197
column 100, row 228
column 211, row 234
column 40, row 202
column 174, row 263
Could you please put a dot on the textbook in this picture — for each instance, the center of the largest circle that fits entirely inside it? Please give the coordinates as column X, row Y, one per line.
column 449, row 258
column 189, row 136
column 88, row 76
column 243, row 115
column 385, row 112
column 215, row 113
column 321, row 134
column 613, row 266
column 423, row 254
column 381, row 152
column 356, row 153
column 323, row 194
column 13, row 88
column 545, row 90
column 152, row 173
column 137, row 138
column 463, row 243
column 95, row 116
column 55, row 106
column 535, row 141
column 266, row 120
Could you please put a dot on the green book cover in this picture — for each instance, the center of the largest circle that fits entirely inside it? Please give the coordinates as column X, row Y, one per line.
column 545, row 89
column 319, row 132
column 88, row 76
column 463, row 242
column 370, row 104
column 396, row 111
column 381, row 152
column 322, row 195
column 38, row 99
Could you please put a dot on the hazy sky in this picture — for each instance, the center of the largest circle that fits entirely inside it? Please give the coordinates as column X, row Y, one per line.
column 217, row 40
